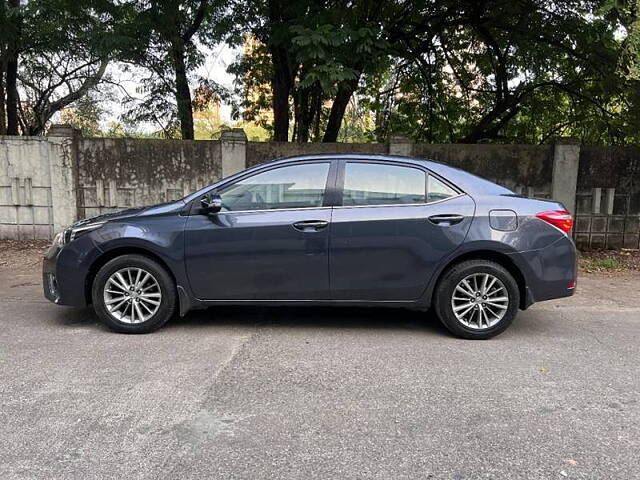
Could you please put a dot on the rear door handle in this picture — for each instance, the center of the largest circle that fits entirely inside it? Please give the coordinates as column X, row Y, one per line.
column 446, row 219
column 310, row 225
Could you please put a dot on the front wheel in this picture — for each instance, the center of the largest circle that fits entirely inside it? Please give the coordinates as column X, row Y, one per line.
column 477, row 299
column 133, row 294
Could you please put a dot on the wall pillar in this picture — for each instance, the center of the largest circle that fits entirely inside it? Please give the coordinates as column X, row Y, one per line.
column 596, row 197
column 564, row 183
column 63, row 165
column 400, row 145
column 610, row 197
column 234, row 151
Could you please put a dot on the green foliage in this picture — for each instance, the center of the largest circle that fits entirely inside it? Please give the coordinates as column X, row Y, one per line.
column 61, row 50
column 625, row 13
column 85, row 115
column 454, row 70
column 322, row 51
column 254, row 132
column 253, row 71
column 315, row 52
column 358, row 70
column 165, row 41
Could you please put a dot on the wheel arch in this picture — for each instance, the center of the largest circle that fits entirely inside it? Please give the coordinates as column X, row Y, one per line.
column 501, row 259
column 118, row 252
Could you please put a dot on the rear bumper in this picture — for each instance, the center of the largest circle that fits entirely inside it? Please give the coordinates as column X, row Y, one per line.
column 549, row 272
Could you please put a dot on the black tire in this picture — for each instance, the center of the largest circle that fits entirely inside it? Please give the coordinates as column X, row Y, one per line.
column 446, row 287
column 168, row 301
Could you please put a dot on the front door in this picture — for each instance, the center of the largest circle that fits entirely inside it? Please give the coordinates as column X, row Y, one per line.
column 269, row 242
column 395, row 223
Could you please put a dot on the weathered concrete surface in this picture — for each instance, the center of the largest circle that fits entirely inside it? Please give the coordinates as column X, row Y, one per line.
column 26, row 188
column 566, row 159
column 260, row 152
column 64, row 181
column 233, row 151
column 321, row 393
column 131, row 172
column 48, row 182
column 401, row 145
column 516, row 166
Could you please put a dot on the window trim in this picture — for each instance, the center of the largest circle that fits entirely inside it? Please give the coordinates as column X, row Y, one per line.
column 341, row 176
column 272, row 210
column 329, row 187
column 387, row 205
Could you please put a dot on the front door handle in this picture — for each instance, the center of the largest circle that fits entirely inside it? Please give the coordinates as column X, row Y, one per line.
column 310, row 225
column 446, row 219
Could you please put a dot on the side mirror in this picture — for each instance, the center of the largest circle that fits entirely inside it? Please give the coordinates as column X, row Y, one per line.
column 211, row 203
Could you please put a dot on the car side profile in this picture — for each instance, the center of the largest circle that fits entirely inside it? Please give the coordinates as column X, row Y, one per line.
column 336, row 229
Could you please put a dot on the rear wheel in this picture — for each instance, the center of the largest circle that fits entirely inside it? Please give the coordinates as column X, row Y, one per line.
column 133, row 294
column 477, row 299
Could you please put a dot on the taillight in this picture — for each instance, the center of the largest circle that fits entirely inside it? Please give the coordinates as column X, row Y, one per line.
column 558, row 218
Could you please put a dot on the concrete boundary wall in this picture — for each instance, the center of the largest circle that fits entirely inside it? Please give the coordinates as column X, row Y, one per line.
column 26, row 193
column 120, row 173
column 46, row 183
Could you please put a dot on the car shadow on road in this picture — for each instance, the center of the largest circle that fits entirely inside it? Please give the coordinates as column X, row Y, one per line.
column 285, row 317
column 303, row 317
column 74, row 316
column 312, row 317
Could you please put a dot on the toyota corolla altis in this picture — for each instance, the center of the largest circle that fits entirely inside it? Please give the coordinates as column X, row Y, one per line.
column 357, row 230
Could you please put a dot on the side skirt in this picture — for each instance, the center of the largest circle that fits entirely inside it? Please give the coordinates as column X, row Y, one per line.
column 413, row 305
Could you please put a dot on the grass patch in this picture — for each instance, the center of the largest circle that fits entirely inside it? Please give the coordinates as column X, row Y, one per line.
column 607, row 263
column 598, row 263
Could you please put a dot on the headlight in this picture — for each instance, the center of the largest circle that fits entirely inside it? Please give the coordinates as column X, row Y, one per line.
column 59, row 238
column 72, row 233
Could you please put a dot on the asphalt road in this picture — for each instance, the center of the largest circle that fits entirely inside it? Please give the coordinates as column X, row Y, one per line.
column 321, row 393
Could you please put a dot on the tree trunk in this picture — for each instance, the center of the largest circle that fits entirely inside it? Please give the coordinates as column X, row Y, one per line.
column 280, row 112
column 12, row 95
column 317, row 113
column 183, row 94
column 281, row 84
column 47, row 108
column 303, row 115
column 489, row 126
column 11, row 74
column 3, row 122
column 345, row 90
column 283, row 70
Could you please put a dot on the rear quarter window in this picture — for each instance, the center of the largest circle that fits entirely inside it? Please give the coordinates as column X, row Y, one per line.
column 438, row 190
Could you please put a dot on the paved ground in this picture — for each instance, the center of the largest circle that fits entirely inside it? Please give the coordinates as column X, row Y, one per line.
column 320, row 393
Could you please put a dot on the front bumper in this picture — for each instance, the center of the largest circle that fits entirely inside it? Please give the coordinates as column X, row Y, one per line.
column 64, row 272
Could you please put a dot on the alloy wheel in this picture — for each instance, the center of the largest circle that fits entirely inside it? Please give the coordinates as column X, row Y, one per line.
column 480, row 301
column 132, row 295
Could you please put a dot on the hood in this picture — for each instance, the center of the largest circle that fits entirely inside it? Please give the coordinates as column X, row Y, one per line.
column 130, row 212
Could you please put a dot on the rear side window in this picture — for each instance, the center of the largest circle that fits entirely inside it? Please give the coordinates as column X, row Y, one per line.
column 437, row 190
column 380, row 184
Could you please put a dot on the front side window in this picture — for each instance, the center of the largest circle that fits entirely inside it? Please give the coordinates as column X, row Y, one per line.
column 380, row 184
column 295, row 186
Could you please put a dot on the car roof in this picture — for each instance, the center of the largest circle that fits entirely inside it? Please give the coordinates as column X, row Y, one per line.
column 468, row 182
column 465, row 181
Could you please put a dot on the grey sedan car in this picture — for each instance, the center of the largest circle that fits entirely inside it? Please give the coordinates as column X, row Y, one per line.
column 357, row 230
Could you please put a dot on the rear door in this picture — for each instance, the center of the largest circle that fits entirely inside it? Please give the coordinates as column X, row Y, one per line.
column 392, row 225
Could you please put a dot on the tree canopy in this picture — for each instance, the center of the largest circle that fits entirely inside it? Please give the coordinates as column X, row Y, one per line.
column 438, row 71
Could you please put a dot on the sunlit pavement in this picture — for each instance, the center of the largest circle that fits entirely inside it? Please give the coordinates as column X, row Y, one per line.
column 249, row 393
